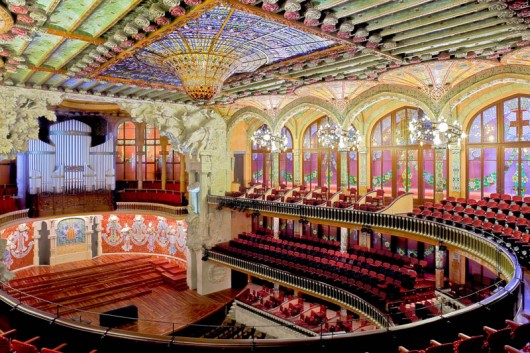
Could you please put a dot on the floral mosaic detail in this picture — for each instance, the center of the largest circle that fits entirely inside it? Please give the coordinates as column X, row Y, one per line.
column 475, row 184
column 381, row 180
column 18, row 246
column 144, row 233
column 71, row 231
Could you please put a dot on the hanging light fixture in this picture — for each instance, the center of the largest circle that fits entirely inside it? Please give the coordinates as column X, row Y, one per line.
column 264, row 138
column 438, row 132
column 331, row 136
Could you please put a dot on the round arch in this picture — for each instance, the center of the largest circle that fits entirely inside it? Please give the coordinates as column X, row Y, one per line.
column 308, row 102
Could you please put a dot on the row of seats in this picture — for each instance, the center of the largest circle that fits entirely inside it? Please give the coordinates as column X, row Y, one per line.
column 232, row 330
column 167, row 197
column 9, row 344
column 514, row 338
column 8, row 204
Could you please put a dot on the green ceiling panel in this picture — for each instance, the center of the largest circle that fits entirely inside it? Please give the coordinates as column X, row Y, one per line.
column 19, row 75
column 105, row 15
column 68, row 13
column 66, row 51
column 40, row 46
column 39, row 78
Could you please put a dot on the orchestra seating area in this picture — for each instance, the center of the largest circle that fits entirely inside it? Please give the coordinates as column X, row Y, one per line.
column 318, row 197
column 379, row 277
column 229, row 329
column 504, row 218
column 302, row 312
column 514, row 338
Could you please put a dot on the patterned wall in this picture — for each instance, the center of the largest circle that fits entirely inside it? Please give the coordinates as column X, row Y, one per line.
column 19, row 248
column 143, row 233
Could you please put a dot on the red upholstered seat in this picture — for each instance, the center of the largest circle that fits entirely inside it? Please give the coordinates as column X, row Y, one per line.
column 25, row 347
column 54, row 350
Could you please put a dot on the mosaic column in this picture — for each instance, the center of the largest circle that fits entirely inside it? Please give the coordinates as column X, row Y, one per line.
column 343, row 169
column 37, row 226
column 439, row 257
column 439, row 154
column 163, row 167
column 363, row 166
column 140, row 153
column 297, row 172
column 275, row 170
column 455, row 168
column 344, row 238
column 276, row 227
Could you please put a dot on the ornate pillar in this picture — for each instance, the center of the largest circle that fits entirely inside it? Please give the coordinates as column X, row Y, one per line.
column 276, row 227
column 455, row 151
column 363, row 166
column 182, row 178
column 140, row 141
column 439, row 154
column 200, row 134
column 37, row 226
column 163, row 154
column 275, row 170
column 297, row 170
column 99, row 229
column 297, row 229
column 343, row 169
column 457, row 268
column 439, row 262
column 344, row 239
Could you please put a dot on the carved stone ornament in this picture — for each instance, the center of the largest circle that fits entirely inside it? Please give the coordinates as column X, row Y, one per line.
column 19, row 113
column 191, row 130
column 6, row 21
column 217, row 274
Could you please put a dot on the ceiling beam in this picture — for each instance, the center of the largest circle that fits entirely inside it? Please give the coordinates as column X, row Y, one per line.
column 70, row 35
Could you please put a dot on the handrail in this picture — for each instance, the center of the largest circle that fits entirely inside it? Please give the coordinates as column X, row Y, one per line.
column 14, row 216
column 152, row 207
column 492, row 253
column 337, row 295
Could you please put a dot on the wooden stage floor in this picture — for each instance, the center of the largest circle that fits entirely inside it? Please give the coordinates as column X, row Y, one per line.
column 161, row 312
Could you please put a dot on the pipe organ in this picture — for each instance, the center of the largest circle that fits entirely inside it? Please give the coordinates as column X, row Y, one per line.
column 69, row 164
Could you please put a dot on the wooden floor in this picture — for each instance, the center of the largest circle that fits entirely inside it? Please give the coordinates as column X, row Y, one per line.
column 162, row 309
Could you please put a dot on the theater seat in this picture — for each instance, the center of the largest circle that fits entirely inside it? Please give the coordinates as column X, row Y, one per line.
column 53, row 350
column 26, row 346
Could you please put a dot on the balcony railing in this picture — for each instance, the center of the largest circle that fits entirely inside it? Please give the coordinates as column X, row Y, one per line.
column 309, row 285
column 488, row 251
column 152, row 207
column 14, row 216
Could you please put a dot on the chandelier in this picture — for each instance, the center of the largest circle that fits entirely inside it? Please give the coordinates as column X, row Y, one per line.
column 330, row 136
column 439, row 132
column 264, row 138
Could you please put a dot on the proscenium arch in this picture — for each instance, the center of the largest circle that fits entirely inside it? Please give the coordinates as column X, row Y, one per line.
column 305, row 103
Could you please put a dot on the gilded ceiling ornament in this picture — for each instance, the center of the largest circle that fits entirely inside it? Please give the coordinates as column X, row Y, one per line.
column 6, row 21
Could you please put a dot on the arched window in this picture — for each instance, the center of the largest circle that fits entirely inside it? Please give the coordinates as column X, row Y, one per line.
column 499, row 149
column 126, row 151
column 321, row 166
column 398, row 164
column 152, row 159
column 286, row 161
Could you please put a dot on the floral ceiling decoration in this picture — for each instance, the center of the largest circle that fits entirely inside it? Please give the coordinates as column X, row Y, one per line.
column 270, row 104
column 96, row 48
column 204, row 52
column 517, row 57
column 436, row 78
column 337, row 92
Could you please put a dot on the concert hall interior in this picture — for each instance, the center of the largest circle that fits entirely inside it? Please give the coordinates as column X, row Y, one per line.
column 265, row 175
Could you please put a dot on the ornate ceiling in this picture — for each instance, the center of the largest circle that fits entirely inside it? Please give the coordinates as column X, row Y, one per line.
column 299, row 47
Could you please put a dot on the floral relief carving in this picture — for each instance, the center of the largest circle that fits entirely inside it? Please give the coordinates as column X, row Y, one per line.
column 19, row 113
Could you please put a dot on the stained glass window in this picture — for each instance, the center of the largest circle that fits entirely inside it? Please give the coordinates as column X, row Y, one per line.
column 498, row 151
column 286, row 161
column 126, row 152
column 399, row 165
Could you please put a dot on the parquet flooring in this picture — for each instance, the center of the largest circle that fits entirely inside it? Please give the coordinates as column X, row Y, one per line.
column 162, row 309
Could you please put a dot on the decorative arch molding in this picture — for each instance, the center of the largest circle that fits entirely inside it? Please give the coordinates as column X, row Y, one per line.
column 473, row 99
column 387, row 92
column 298, row 105
column 483, row 80
column 248, row 112
column 477, row 102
